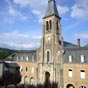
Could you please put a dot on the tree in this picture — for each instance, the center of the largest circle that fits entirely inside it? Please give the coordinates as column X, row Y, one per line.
column 10, row 78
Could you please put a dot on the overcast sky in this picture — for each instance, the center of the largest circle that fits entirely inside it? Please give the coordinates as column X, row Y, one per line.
column 21, row 22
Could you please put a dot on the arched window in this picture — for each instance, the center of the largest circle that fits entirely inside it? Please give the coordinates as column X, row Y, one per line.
column 48, row 56
column 57, row 27
column 47, row 26
column 26, row 80
column 60, row 43
column 50, row 24
column 70, row 86
column 82, row 87
column 32, row 81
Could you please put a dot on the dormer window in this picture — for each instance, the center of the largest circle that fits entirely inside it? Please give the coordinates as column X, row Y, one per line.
column 33, row 58
column 70, row 58
column 21, row 58
column 26, row 58
column 82, row 58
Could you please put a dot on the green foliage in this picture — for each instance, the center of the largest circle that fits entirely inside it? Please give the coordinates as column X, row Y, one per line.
column 5, row 52
column 9, row 78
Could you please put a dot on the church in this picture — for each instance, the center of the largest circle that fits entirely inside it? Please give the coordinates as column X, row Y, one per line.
column 55, row 60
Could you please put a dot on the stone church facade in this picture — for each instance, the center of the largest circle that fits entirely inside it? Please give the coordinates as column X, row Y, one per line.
column 55, row 60
column 50, row 52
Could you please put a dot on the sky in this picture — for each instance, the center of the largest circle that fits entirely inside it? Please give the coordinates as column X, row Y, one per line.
column 21, row 22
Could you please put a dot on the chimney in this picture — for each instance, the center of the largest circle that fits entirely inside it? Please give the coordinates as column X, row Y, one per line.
column 78, row 43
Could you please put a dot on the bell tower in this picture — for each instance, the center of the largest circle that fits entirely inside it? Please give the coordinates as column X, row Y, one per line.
column 51, row 49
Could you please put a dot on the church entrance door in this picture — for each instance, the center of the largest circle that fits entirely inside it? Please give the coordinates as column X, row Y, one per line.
column 47, row 77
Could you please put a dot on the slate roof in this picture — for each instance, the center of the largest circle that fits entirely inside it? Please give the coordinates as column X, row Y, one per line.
column 24, row 53
column 27, row 51
column 75, row 53
column 51, row 9
column 69, row 45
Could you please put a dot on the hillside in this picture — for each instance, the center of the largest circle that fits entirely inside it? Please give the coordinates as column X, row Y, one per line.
column 5, row 52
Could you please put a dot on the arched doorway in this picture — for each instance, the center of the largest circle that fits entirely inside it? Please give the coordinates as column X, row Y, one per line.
column 82, row 87
column 70, row 86
column 32, row 81
column 26, row 80
column 47, row 77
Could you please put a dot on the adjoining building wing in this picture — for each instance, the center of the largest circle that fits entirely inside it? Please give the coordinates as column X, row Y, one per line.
column 76, row 55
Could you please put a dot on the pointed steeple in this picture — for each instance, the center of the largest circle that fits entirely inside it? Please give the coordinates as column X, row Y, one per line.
column 51, row 9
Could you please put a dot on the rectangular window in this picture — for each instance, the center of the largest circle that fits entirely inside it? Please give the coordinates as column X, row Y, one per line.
column 82, row 74
column 69, row 73
column 70, row 58
column 21, row 68
column 32, row 69
column 82, row 58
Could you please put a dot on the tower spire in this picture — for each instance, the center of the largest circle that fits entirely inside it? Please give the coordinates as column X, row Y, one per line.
column 51, row 9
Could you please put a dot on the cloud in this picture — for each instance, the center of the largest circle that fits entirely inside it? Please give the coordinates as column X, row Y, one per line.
column 11, row 13
column 15, row 35
column 38, row 7
column 81, row 35
column 37, row 12
column 16, row 40
column 31, row 3
column 17, row 46
column 80, row 9
column 22, row 3
column 72, row 25
column 62, row 9
column 14, row 12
